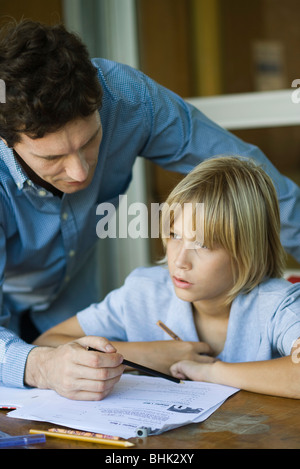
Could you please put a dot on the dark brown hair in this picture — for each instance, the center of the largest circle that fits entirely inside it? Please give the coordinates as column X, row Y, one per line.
column 49, row 80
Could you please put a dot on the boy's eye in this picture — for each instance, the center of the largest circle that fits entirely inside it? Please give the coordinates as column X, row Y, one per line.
column 174, row 235
column 199, row 245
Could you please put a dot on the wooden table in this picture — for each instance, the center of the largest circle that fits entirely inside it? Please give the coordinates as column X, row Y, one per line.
column 245, row 420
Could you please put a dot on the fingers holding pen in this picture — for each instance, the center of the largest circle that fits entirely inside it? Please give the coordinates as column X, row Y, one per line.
column 77, row 373
column 101, row 371
column 109, row 356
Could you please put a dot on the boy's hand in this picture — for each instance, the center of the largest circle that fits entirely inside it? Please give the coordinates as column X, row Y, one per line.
column 188, row 369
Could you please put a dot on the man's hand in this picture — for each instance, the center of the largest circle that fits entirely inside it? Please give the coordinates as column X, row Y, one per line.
column 73, row 371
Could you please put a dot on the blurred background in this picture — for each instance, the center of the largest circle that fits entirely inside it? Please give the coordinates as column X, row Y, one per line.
column 195, row 48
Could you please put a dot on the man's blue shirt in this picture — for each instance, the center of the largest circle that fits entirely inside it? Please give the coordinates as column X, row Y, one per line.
column 47, row 260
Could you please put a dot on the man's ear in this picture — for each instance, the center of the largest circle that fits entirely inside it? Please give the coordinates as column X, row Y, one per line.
column 5, row 142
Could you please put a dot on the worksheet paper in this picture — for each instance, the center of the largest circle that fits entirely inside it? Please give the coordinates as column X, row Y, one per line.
column 17, row 397
column 136, row 402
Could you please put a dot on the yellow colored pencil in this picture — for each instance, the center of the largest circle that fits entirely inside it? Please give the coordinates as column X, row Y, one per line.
column 90, row 439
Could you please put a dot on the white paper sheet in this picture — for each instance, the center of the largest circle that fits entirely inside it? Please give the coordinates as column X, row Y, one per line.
column 136, row 401
column 15, row 397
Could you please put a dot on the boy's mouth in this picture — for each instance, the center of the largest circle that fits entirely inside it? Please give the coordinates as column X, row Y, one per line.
column 181, row 283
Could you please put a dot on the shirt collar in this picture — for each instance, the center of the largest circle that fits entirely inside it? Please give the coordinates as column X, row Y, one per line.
column 15, row 169
column 17, row 172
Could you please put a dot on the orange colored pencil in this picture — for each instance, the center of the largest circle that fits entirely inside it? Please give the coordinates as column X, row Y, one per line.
column 168, row 331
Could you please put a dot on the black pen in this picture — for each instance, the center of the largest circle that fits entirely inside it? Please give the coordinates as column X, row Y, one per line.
column 145, row 369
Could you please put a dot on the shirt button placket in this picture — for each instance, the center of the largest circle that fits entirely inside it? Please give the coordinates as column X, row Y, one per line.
column 68, row 229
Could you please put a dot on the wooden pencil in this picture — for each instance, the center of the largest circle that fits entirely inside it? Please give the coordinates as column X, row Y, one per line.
column 90, row 439
column 168, row 331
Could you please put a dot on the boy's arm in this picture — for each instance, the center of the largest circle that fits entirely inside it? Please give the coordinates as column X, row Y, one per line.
column 277, row 377
column 159, row 355
column 62, row 333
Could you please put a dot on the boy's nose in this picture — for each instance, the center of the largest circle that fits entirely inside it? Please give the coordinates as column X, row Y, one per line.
column 182, row 259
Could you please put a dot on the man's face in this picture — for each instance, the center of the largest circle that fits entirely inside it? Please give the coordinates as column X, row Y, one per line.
column 66, row 159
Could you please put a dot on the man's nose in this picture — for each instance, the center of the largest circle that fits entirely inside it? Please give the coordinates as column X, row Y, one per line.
column 77, row 168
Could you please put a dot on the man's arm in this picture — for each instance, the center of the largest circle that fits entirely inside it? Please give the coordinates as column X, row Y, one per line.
column 70, row 369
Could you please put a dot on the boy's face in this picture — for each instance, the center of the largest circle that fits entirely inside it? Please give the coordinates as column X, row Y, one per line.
column 66, row 159
column 199, row 275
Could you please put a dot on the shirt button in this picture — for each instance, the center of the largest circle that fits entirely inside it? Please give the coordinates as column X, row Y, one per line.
column 72, row 253
column 67, row 279
column 42, row 193
column 65, row 216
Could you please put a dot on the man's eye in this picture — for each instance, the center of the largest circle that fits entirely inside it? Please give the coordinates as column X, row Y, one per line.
column 51, row 158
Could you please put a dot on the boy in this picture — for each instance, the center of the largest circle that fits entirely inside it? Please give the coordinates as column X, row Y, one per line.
column 222, row 293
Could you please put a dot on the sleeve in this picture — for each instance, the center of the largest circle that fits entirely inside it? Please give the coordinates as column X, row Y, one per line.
column 181, row 137
column 285, row 324
column 106, row 318
column 13, row 351
column 13, row 357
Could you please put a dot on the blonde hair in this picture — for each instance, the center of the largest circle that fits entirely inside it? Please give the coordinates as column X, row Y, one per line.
column 241, row 215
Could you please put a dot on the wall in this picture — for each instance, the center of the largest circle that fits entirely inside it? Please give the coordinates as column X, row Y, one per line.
column 200, row 48
column 46, row 12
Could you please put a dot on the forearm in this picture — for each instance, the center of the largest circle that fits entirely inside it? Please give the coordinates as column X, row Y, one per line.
column 161, row 354
column 278, row 377
column 145, row 353
column 54, row 340
column 35, row 374
column 63, row 333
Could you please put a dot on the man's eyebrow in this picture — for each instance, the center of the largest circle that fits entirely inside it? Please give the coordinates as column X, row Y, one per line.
column 45, row 157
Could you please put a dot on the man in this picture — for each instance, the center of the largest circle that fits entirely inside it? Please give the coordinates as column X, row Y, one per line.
column 71, row 130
